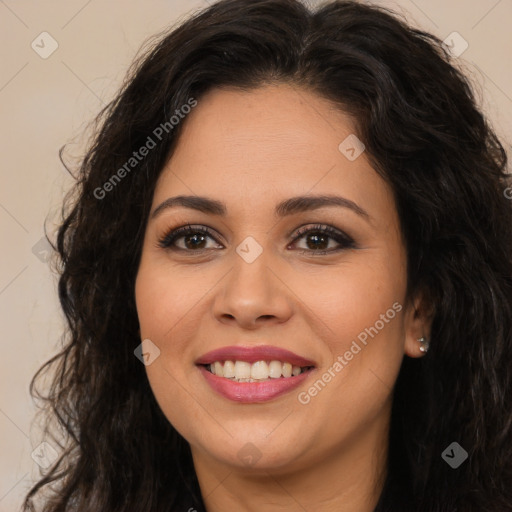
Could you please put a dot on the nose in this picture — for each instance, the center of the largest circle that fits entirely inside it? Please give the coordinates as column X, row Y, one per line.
column 253, row 294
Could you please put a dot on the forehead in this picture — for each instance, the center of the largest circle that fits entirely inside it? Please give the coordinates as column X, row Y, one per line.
column 265, row 144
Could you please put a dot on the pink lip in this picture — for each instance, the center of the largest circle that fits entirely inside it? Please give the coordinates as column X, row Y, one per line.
column 253, row 354
column 250, row 392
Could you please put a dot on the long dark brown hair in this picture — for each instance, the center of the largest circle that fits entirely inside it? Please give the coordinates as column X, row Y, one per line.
column 424, row 133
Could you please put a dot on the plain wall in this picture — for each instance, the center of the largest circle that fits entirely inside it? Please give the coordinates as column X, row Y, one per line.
column 46, row 103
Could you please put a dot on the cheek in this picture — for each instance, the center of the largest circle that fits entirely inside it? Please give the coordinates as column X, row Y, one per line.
column 353, row 297
column 163, row 302
column 164, row 296
column 360, row 308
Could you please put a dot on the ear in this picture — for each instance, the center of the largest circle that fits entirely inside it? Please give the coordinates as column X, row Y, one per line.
column 418, row 322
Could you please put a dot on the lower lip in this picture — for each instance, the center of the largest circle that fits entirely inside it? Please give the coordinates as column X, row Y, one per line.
column 250, row 392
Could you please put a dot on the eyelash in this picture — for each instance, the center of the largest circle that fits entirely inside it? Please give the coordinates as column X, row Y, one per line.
column 346, row 242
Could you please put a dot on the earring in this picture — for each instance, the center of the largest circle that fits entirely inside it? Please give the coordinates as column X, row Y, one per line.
column 424, row 344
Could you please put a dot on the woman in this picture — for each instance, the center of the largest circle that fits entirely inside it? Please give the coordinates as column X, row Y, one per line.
column 287, row 275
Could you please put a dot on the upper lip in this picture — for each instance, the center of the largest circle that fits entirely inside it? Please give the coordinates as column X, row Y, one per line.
column 253, row 354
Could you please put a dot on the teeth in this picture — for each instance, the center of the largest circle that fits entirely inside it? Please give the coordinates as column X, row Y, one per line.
column 287, row 370
column 242, row 371
column 229, row 369
column 275, row 368
column 259, row 370
column 218, row 369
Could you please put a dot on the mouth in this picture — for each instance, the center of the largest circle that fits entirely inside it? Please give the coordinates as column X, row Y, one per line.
column 254, row 374
column 260, row 371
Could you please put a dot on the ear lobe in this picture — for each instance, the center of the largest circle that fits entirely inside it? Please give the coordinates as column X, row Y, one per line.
column 418, row 322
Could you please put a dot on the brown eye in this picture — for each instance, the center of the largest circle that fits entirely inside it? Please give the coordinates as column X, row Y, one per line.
column 318, row 238
column 195, row 239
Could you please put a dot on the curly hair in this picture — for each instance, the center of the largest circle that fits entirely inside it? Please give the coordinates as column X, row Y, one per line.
column 424, row 134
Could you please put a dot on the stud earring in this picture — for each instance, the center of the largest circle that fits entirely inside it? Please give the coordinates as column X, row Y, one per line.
column 424, row 344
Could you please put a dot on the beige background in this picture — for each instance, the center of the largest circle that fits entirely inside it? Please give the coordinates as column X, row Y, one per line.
column 45, row 103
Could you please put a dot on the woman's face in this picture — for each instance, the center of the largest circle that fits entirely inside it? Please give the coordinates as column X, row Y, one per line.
column 269, row 275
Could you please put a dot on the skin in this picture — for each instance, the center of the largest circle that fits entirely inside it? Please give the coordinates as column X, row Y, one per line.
column 252, row 150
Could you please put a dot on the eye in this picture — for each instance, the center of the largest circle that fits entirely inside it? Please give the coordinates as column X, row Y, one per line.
column 317, row 239
column 194, row 238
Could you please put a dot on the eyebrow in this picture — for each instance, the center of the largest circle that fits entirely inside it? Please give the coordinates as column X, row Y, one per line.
column 285, row 208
